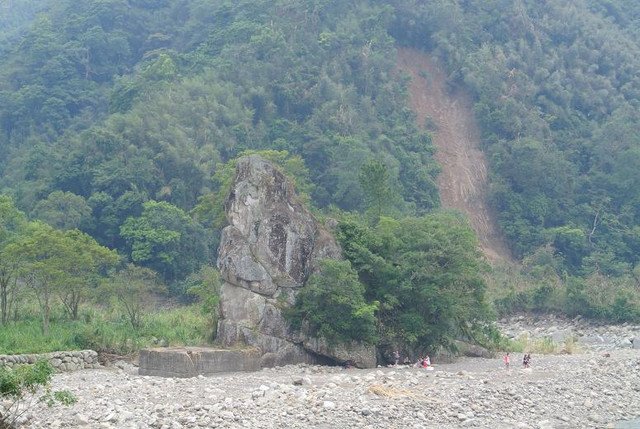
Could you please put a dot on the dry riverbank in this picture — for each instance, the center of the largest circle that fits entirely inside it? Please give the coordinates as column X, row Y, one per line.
column 562, row 391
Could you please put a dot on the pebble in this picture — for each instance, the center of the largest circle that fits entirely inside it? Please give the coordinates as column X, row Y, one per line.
column 328, row 405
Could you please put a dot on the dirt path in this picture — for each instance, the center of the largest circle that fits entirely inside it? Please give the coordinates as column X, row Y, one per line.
column 463, row 181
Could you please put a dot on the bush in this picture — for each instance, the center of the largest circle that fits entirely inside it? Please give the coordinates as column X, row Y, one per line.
column 332, row 306
column 19, row 388
column 544, row 346
column 541, row 296
column 624, row 309
column 426, row 273
column 596, row 297
column 513, row 302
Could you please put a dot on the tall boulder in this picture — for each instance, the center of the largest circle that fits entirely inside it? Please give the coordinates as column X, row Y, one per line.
column 267, row 252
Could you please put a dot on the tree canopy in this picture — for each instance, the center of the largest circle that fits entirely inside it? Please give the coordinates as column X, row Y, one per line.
column 117, row 119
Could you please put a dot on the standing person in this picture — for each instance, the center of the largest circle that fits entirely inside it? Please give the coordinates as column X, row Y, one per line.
column 525, row 361
column 528, row 360
column 427, row 359
column 396, row 357
column 507, row 360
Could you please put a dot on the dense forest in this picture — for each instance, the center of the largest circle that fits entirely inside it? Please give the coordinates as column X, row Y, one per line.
column 557, row 90
column 116, row 117
column 113, row 106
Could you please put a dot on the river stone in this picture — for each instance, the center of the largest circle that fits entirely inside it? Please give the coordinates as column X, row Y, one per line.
column 625, row 342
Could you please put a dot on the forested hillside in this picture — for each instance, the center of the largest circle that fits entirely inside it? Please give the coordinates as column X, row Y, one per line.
column 116, row 116
column 111, row 104
column 557, row 92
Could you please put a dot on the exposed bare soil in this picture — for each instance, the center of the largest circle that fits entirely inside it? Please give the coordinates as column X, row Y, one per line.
column 463, row 182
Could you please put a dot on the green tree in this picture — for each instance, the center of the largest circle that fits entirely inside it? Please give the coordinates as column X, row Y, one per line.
column 58, row 263
column 166, row 239
column 163, row 68
column 42, row 254
column 374, row 180
column 332, row 306
column 64, row 210
column 571, row 244
column 425, row 272
column 205, row 286
column 12, row 223
column 89, row 262
column 134, row 289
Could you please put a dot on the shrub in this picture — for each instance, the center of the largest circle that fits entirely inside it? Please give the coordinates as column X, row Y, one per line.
column 19, row 389
column 332, row 306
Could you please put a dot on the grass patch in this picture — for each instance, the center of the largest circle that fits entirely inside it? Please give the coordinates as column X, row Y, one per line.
column 106, row 332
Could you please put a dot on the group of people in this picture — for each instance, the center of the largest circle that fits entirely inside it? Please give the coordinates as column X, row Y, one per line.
column 423, row 361
column 526, row 360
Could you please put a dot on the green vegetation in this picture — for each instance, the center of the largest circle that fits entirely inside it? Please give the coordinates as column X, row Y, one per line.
column 51, row 262
column 23, row 385
column 133, row 289
column 545, row 346
column 205, row 285
column 426, row 276
column 535, row 287
column 332, row 305
column 557, row 97
column 414, row 283
column 58, row 276
column 132, row 116
column 107, row 331
column 119, row 119
column 165, row 239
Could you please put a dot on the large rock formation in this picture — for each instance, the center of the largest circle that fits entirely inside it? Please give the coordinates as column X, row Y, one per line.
column 270, row 248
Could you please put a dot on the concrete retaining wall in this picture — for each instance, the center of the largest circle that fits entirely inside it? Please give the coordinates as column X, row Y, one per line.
column 61, row 361
column 193, row 361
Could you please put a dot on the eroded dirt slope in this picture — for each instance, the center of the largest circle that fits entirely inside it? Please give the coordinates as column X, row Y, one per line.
column 463, row 181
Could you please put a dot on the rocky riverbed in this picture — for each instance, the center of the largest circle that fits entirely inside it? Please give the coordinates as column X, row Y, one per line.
column 586, row 334
column 597, row 387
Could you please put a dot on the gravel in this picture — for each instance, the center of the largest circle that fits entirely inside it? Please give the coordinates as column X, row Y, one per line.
column 592, row 389
column 586, row 390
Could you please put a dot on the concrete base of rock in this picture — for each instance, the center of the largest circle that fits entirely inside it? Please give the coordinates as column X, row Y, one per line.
column 194, row 361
